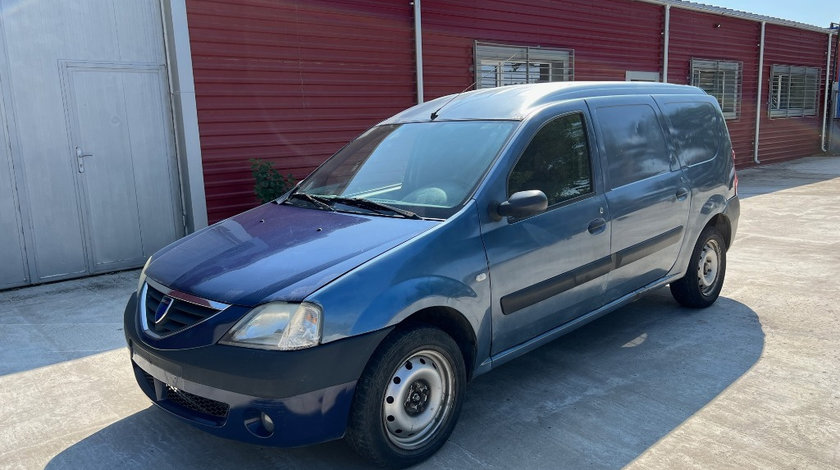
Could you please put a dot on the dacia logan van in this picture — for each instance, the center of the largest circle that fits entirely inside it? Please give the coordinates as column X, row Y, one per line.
column 441, row 243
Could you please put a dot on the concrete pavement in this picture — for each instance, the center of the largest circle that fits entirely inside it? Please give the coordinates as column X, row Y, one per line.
column 752, row 382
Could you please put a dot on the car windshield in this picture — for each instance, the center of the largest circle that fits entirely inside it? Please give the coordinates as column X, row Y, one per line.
column 428, row 168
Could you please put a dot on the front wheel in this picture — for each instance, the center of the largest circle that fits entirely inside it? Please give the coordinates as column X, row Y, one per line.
column 701, row 285
column 408, row 398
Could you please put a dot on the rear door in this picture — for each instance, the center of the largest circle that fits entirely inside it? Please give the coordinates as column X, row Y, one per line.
column 647, row 194
column 548, row 269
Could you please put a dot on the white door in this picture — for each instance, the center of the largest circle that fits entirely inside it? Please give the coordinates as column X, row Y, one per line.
column 120, row 139
column 84, row 77
column 13, row 269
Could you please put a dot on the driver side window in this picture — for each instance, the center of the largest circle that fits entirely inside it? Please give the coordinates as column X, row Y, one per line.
column 555, row 162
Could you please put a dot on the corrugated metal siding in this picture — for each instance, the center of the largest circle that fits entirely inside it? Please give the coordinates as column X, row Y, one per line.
column 695, row 35
column 291, row 82
column 608, row 38
column 787, row 138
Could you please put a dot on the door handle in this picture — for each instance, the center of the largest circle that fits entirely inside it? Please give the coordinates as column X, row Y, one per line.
column 80, row 156
column 597, row 226
column 682, row 193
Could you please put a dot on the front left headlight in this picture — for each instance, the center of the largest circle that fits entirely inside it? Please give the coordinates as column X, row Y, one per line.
column 278, row 325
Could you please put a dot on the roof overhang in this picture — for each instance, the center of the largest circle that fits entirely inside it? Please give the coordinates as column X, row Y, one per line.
column 703, row 8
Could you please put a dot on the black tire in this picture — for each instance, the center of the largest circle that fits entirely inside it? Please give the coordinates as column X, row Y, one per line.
column 701, row 285
column 416, row 377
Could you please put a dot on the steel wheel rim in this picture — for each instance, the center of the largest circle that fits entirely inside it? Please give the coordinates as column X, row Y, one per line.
column 708, row 268
column 418, row 399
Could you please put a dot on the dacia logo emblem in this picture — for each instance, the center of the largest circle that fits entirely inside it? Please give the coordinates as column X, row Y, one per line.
column 163, row 309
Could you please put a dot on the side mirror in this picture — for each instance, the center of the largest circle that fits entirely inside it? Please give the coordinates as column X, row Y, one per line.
column 523, row 204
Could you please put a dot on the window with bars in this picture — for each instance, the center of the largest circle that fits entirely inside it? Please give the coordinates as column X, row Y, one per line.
column 721, row 79
column 793, row 91
column 498, row 65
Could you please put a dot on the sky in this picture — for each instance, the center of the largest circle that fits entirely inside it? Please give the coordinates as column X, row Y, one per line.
column 815, row 12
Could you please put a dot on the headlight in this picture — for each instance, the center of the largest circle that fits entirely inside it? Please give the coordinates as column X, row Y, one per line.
column 278, row 325
column 143, row 275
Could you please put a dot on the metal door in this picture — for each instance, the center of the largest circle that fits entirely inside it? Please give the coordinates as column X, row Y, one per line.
column 648, row 196
column 86, row 74
column 12, row 255
column 122, row 149
column 549, row 269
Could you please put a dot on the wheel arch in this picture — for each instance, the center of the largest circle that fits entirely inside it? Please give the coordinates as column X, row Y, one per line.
column 723, row 225
column 451, row 322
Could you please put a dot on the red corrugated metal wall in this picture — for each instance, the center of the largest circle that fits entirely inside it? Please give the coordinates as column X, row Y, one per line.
column 608, row 38
column 786, row 138
column 291, row 82
column 696, row 35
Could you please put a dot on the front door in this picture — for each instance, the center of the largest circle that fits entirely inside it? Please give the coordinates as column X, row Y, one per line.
column 548, row 269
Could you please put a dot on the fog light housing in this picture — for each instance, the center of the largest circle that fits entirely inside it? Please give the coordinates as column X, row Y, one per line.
column 259, row 423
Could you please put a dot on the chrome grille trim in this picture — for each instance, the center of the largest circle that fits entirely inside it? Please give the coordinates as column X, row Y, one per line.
column 186, row 297
column 183, row 317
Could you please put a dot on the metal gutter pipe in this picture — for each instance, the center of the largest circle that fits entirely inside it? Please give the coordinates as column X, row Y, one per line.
column 827, row 87
column 418, row 49
column 667, row 40
column 758, row 104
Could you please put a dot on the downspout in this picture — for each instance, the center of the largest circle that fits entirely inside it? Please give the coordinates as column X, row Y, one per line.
column 418, row 50
column 758, row 105
column 827, row 86
column 667, row 40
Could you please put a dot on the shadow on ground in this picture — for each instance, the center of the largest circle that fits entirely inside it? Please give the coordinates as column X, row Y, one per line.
column 596, row 398
column 63, row 321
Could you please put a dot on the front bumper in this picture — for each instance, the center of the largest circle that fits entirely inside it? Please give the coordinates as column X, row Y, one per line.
column 277, row 398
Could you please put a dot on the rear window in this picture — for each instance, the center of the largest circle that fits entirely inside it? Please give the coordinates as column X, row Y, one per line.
column 634, row 143
column 695, row 128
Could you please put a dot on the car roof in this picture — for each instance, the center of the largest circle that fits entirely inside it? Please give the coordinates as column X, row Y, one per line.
column 515, row 102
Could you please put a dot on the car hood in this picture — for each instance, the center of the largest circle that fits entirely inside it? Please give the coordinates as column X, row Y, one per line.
column 276, row 252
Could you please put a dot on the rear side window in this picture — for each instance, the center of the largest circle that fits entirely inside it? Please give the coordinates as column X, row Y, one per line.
column 695, row 129
column 634, row 143
column 555, row 162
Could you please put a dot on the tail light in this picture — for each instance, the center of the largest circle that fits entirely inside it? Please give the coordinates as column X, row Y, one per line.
column 734, row 172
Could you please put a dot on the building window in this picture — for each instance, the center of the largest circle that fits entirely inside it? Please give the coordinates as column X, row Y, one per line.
column 498, row 65
column 793, row 91
column 720, row 79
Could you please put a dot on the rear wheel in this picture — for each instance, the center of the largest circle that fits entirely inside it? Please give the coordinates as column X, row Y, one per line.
column 408, row 398
column 701, row 285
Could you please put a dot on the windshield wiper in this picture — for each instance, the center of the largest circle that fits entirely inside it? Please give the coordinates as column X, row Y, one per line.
column 317, row 201
column 373, row 206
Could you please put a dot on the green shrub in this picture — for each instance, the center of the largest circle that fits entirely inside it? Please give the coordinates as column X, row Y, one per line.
column 269, row 183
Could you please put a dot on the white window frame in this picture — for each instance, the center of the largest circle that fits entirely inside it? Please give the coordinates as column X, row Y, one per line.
column 501, row 64
column 721, row 79
column 639, row 76
column 793, row 91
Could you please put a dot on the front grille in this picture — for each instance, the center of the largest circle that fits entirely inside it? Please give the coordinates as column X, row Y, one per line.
column 201, row 405
column 181, row 315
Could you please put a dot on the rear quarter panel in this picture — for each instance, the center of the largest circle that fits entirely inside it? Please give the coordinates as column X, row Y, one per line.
column 710, row 180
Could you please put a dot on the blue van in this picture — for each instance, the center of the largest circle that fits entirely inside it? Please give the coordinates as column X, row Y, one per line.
column 443, row 242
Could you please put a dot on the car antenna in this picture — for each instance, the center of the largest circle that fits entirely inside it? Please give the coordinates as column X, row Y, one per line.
column 435, row 114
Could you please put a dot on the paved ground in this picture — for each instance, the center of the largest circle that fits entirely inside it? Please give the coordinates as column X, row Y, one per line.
column 753, row 382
